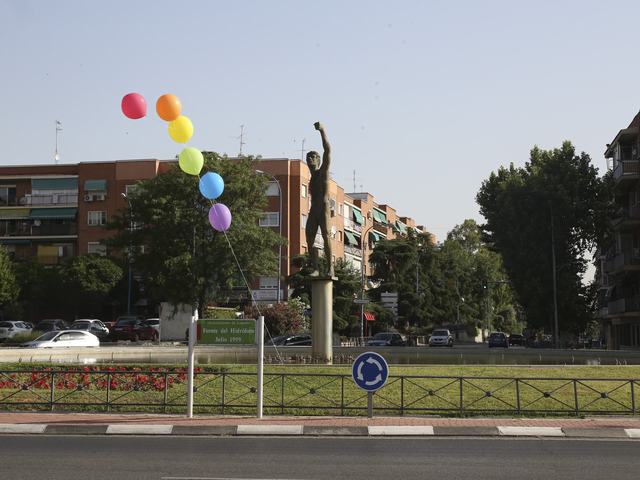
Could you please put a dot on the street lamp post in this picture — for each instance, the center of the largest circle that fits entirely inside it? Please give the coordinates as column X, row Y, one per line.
column 124, row 195
column 273, row 177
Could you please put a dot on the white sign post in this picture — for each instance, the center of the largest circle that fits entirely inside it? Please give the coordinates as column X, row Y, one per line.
column 260, row 341
column 190, row 362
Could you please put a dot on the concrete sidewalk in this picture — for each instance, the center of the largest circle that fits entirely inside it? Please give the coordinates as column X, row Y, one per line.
column 147, row 424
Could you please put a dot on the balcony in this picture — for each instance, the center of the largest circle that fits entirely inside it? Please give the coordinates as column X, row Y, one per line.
column 626, row 172
column 351, row 250
column 626, row 218
column 628, row 305
column 54, row 199
column 22, row 230
column 351, row 225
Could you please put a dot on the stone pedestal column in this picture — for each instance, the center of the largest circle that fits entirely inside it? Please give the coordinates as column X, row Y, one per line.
column 322, row 319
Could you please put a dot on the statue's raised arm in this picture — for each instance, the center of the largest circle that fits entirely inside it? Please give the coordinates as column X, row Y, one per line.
column 326, row 155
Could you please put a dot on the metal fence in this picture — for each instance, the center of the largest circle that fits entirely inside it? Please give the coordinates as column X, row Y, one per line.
column 311, row 394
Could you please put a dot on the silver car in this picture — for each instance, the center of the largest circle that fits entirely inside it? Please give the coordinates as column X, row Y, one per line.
column 441, row 338
column 11, row 328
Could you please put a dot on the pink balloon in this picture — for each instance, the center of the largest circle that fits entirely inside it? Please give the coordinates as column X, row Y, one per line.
column 220, row 217
column 134, row 106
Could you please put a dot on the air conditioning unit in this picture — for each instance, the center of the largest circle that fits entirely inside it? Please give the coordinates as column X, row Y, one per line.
column 99, row 197
column 88, row 198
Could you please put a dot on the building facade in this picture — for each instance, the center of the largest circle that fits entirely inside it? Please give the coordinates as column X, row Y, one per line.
column 56, row 212
column 620, row 260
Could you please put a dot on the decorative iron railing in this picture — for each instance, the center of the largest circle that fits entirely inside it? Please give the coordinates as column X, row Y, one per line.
column 219, row 392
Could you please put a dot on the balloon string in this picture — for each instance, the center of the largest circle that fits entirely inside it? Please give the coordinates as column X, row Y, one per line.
column 253, row 300
column 251, row 293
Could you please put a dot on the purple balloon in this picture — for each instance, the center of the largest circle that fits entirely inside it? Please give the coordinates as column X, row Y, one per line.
column 220, row 217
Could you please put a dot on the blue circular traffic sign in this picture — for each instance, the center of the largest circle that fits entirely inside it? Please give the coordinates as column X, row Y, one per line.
column 370, row 371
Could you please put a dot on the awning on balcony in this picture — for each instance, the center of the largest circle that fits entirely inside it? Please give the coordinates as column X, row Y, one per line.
column 400, row 227
column 58, row 213
column 357, row 217
column 369, row 317
column 374, row 237
column 54, row 184
column 379, row 216
column 350, row 239
column 95, row 186
column 14, row 213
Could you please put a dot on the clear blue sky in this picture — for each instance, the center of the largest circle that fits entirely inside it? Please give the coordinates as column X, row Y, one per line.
column 423, row 99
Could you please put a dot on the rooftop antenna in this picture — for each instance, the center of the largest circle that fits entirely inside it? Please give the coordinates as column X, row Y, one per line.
column 302, row 150
column 56, row 156
column 354, row 180
column 241, row 137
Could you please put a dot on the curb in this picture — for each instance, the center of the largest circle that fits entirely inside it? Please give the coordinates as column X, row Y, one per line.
column 316, row 431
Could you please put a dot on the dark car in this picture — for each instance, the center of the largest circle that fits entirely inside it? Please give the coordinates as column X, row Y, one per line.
column 51, row 325
column 149, row 329
column 300, row 340
column 498, row 339
column 126, row 328
column 517, row 339
column 387, row 339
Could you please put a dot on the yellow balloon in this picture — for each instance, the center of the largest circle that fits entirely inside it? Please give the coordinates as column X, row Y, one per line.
column 191, row 161
column 181, row 129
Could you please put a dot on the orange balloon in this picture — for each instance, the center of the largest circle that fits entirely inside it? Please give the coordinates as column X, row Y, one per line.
column 168, row 107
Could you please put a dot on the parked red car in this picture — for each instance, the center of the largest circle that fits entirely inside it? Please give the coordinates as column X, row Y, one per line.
column 126, row 328
column 149, row 329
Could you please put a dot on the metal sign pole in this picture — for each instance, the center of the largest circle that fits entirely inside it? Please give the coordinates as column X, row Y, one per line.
column 190, row 362
column 260, row 341
column 370, row 405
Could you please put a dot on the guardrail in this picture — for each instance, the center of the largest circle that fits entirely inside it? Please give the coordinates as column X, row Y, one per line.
column 220, row 392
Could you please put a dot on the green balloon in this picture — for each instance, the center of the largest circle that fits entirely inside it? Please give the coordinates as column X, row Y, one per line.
column 191, row 161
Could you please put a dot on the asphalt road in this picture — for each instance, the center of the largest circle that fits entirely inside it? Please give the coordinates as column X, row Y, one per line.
column 173, row 458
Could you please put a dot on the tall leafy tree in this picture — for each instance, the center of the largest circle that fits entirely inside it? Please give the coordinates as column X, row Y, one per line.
column 9, row 288
column 90, row 279
column 555, row 205
column 184, row 260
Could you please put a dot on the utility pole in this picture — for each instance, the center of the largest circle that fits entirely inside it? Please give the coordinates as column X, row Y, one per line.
column 56, row 156
column 556, row 332
column 241, row 137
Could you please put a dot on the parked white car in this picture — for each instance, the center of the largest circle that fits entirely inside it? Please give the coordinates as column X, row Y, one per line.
column 11, row 328
column 64, row 338
column 441, row 338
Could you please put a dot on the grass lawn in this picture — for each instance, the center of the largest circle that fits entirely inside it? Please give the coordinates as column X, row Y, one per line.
column 325, row 390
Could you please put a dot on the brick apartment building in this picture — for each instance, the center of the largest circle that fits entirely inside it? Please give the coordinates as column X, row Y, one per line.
column 55, row 212
column 620, row 261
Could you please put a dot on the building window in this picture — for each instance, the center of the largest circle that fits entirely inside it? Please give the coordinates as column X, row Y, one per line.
column 340, row 235
column 341, row 209
column 268, row 283
column 97, row 218
column 270, row 219
column 96, row 248
column 272, row 189
column 129, row 189
column 7, row 196
column 303, row 191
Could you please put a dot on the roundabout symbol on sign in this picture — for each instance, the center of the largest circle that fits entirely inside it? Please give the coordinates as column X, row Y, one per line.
column 370, row 371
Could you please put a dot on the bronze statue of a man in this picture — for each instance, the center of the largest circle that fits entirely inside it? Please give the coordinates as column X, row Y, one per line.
column 320, row 213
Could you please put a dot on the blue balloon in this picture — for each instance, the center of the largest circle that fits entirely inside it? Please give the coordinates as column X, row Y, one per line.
column 211, row 185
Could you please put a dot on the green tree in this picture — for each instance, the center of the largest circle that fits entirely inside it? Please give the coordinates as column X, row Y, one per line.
column 406, row 265
column 90, row 279
column 9, row 289
column 557, row 195
column 184, row 260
